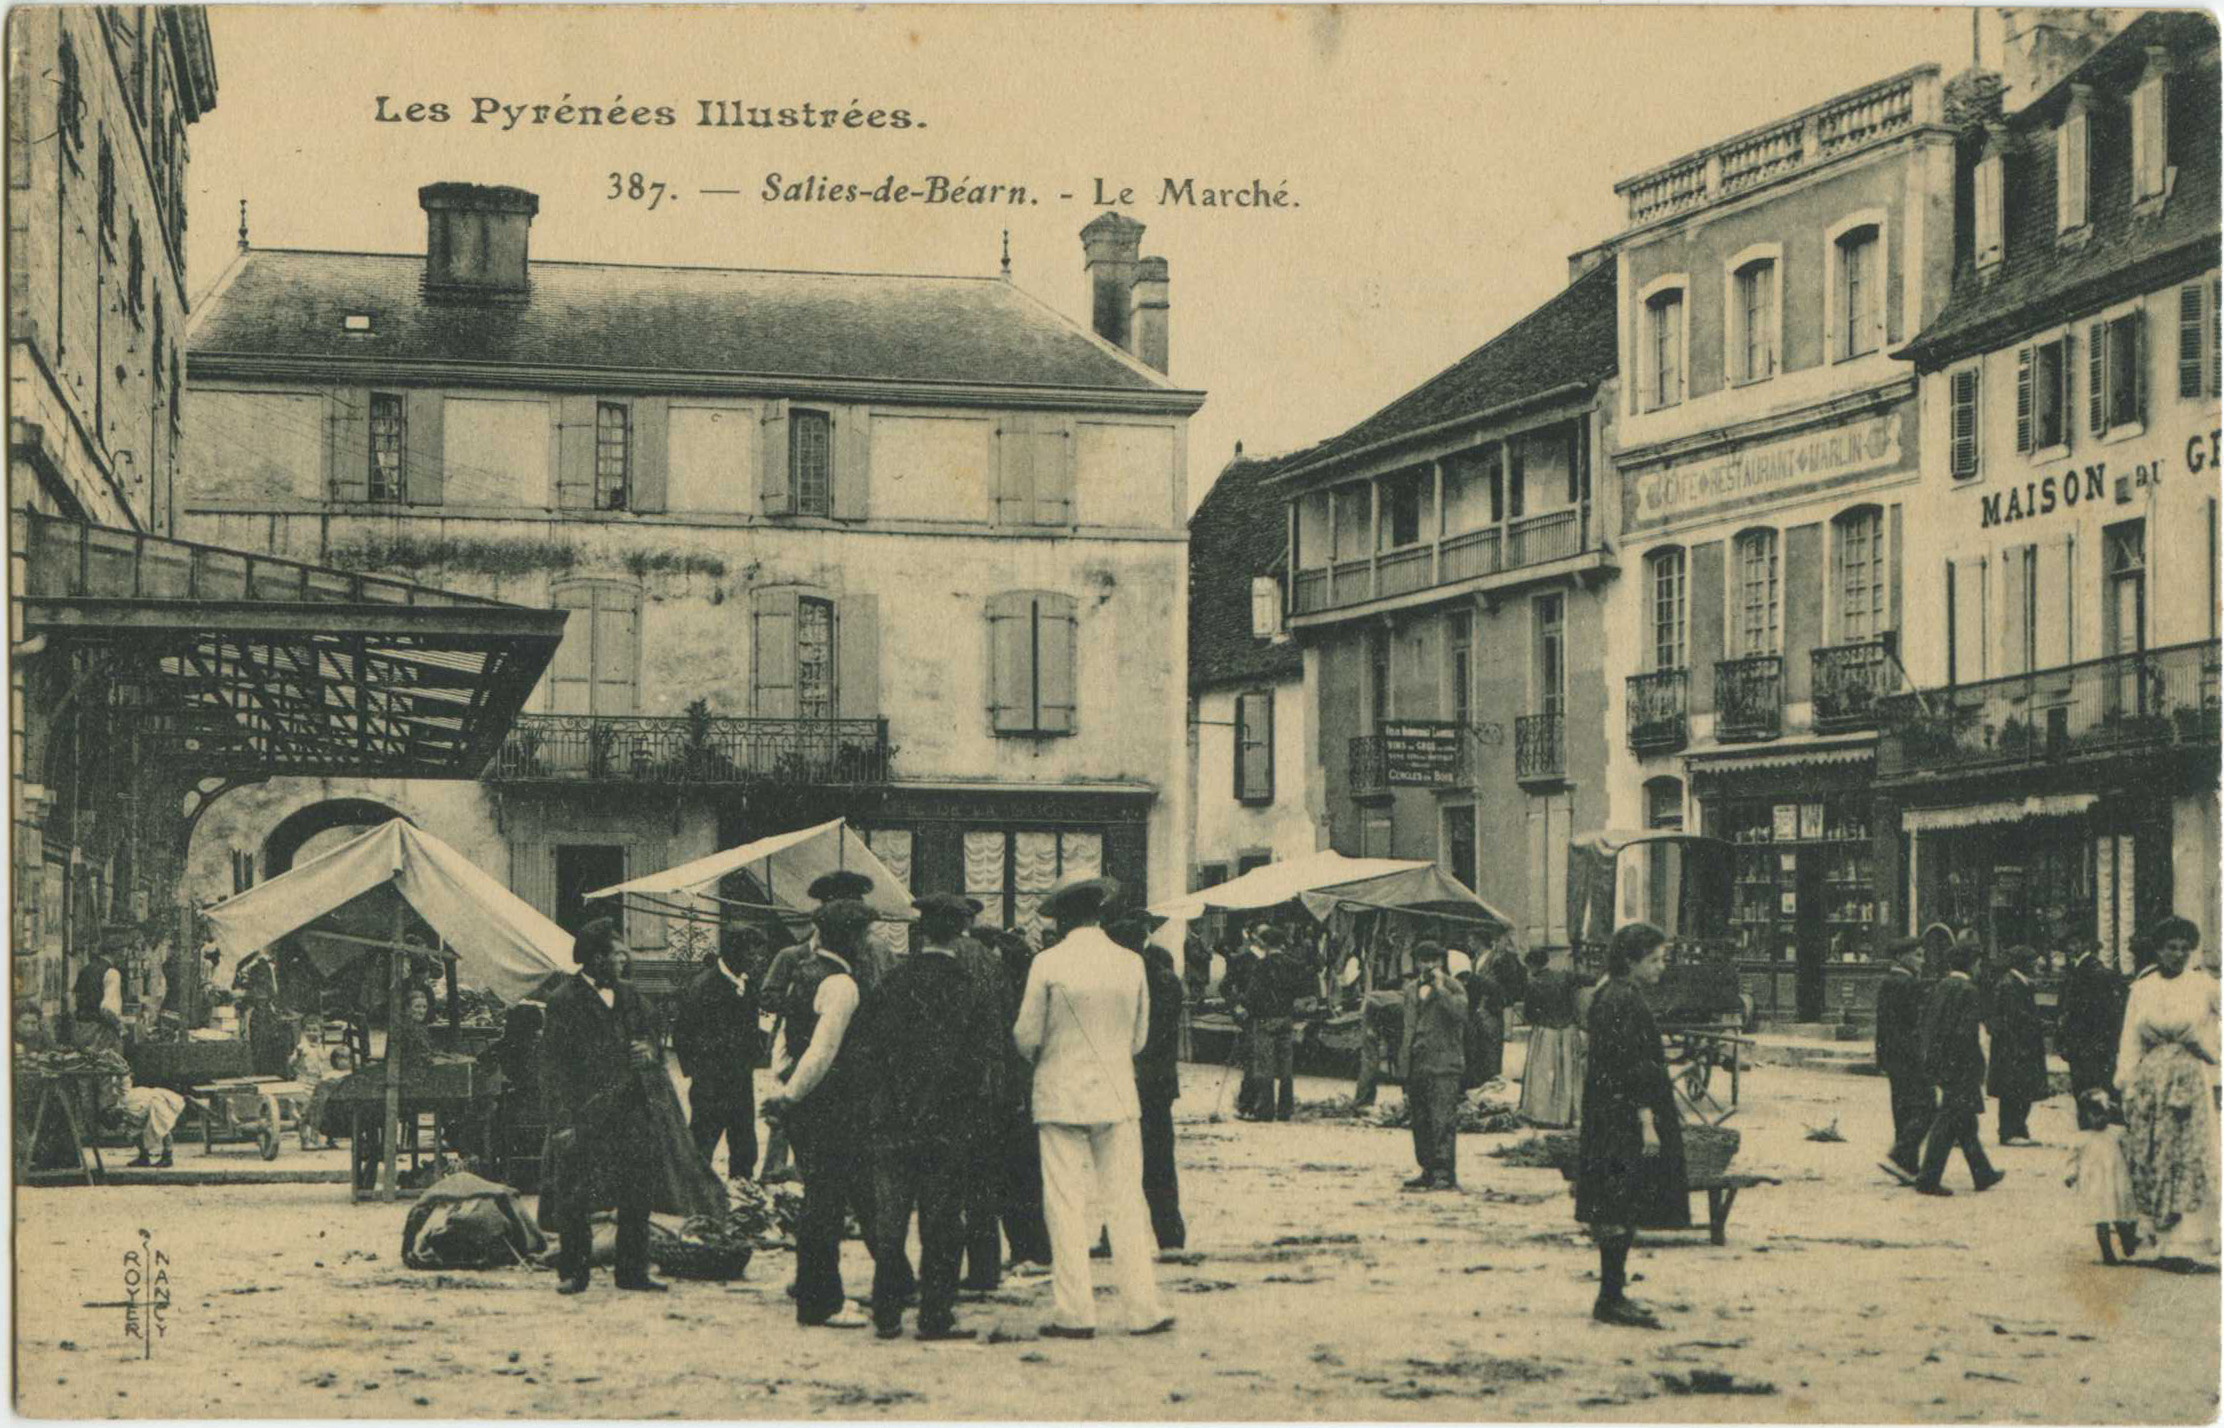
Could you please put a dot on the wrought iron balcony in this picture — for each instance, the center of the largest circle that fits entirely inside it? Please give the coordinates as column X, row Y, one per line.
column 1410, row 753
column 1749, row 697
column 1659, row 710
column 1540, row 748
column 640, row 749
column 2121, row 706
column 1849, row 679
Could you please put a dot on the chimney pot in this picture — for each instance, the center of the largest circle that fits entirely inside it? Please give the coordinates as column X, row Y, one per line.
column 477, row 240
column 2038, row 47
column 1111, row 248
column 1147, row 313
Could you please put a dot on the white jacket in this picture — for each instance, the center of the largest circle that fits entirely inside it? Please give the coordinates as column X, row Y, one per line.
column 1085, row 1016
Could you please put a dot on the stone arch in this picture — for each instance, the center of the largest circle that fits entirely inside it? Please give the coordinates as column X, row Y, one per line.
column 286, row 837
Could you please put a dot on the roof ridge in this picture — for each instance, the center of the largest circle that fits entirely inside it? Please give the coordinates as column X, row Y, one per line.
column 651, row 267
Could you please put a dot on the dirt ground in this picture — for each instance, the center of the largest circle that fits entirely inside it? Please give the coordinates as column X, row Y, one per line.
column 1319, row 1292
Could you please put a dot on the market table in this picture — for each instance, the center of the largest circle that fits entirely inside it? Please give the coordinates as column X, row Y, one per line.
column 459, row 1094
column 60, row 1088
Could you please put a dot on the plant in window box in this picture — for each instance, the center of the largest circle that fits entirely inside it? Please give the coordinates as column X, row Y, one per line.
column 601, row 739
column 521, row 756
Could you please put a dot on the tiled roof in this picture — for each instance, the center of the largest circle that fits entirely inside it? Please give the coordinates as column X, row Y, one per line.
column 1570, row 339
column 1238, row 532
column 613, row 317
column 2041, row 281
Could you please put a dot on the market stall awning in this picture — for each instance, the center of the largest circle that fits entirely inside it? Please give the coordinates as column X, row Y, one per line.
column 501, row 943
column 784, row 866
column 1321, row 881
column 246, row 664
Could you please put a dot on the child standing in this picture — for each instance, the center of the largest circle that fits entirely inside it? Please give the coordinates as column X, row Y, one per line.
column 2100, row 1176
column 314, row 1065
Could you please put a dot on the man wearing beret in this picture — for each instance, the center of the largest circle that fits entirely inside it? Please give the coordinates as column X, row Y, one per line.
column 595, row 1048
column 1157, row 1073
column 820, row 1101
column 929, row 1051
column 1084, row 1017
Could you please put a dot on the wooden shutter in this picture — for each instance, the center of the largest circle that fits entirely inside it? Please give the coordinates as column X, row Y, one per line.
column 2096, row 392
column 1254, row 762
column 349, row 463
column 774, row 496
column 617, row 650
column 575, row 452
column 571, row 674
column 1966, row 579
column 1963, row 401
column 2065, row 397
column 422, row 473
column 2069, row 182
column 2210, row 332
column 2190, row 329
column 533, row 875
column 1057, row 681
column 650, row 478
column 1891, row 614
column 772, row 654
column 2015, row 623
column 1015, row 470
column 852, row 453
column 857, row 656
column 2127, row 338
column 2052, row 643
column 2024, row 394
column 1011, row 683
column 1052, row 439
column 1705, row 597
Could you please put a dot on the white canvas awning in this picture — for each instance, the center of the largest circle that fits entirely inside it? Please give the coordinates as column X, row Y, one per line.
column 1321, row 880
column 784, row 865
column 501, row 943
column 1971, row 815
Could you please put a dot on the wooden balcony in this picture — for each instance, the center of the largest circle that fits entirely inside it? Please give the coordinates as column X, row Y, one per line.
column 1506, row 549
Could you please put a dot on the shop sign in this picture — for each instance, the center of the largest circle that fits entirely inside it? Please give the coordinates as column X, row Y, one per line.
column 1765, row 471
column 1421, row 753
column 2073, row 486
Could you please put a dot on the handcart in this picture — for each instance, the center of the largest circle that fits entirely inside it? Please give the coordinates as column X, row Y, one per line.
column 240, row 1109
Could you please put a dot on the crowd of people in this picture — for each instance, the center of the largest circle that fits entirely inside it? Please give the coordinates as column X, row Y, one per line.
column 2141, row 1056
column 985, row 1092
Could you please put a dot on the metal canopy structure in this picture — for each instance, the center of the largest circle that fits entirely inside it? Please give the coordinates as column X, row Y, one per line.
column 233, row 663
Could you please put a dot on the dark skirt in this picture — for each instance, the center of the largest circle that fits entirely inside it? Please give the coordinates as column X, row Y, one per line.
column 1617, row 1184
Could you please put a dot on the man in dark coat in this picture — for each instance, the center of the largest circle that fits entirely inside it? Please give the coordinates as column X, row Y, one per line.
column 930, row 1053
column 821, row 1102
column 596, row 1047
column 1435, row 1061
column 1899, row 1056
column 1269, row 1001
column 1019, row 1172
column 1955, row 1062
column 1157, row 1073
column 1242, row 965
column 2092, row 1019
column 718, row 1037
column 984, row 1193
column 1497, row 984
column 1630, row 1166
column 2018, row 1048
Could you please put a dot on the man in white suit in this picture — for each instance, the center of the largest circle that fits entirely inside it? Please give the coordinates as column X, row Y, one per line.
column 1083, row 1018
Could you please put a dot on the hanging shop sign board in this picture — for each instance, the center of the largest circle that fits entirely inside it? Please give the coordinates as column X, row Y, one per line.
column 1420, row 753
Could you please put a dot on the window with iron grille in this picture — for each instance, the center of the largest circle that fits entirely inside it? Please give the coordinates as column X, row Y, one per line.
column 1667, row 568
column 811, row 462
column 389, row 442
column 613, row 454
column 1861, row 612
column 1758, row 617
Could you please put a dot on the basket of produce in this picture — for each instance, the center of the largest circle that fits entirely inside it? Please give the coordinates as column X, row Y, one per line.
column 53, row 1065
column 716, row 1246
column 1707, row 1151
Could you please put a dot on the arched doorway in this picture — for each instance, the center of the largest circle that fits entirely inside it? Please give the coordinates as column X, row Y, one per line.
column 322, row 825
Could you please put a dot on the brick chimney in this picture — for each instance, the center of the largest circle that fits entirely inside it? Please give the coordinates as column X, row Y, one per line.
column 1146, row 324
column 1111, row 249
column 2038, row 48
column 476, row 240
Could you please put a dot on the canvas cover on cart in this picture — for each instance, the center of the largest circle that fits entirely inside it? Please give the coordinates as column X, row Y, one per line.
column 501, row 942
column 784, row 865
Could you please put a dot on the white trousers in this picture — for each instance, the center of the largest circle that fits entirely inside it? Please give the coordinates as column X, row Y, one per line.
column 157, row 1112
column 1093, row 1175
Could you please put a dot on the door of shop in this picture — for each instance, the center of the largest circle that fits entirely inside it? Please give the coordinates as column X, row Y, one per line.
column 1811, row 936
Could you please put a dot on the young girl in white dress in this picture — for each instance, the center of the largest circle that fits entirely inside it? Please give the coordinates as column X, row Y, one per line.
column 2101, row 1178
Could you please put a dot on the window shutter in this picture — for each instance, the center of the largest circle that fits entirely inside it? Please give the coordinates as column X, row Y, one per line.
column 1514, row 479
column 650, row 477
column 617, row 651
column 350, row 419
column 2015, row 625
column 1241, row 763
column 773, row 496
column 2053, row 638
column 571, row 674
column 2190, row 344
column 1894, row 536
column 575, row 452
column 1015, row 470
column 2096, row 394
column 1967, row 580
column 1053, row 445
column 853, row 429
column 1255, row 747
column 857, row 656
column 1963, row 400
column 2211, row 332
column 2023, row 399
column 2065, row 405
column 533, row 875
column 772, row 654
column 1011, row 685
column 422, row 473
column 2128, row 355
column 1056, row 650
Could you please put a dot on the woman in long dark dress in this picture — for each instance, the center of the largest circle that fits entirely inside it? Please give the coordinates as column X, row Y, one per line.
column 1630, row 1170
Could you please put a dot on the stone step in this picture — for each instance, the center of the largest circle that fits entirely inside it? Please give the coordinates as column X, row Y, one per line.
column 1822, row 1031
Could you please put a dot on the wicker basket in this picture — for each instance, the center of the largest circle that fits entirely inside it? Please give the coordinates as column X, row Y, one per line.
column 1707, row 1151
column 694, row 1259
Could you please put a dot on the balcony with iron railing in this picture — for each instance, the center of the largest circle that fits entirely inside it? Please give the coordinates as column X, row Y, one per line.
column 2123, row 706
column 1505, row 548
column 1803, row 141
column 717, row 750
column 1540, row 748
column 1659, row 711
column 1849, row 679
column 1749, row 698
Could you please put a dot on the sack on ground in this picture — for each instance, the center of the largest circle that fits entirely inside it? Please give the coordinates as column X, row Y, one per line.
column 465, row 1222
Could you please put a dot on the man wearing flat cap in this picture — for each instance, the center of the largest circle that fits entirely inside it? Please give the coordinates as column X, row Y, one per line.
column 929, row 1051
column 595, row 1046
column 1083, row 1019
column 821, row 1103
column 1157, row 1072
